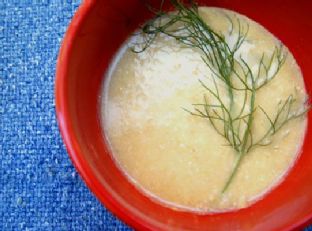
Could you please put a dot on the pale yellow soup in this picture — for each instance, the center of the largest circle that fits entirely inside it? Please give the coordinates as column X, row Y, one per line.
column 178, row 159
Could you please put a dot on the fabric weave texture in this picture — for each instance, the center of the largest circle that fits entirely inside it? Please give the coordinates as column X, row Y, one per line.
column 39, row 187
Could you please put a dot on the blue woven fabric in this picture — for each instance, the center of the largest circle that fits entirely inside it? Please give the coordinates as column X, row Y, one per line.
column 39, row 188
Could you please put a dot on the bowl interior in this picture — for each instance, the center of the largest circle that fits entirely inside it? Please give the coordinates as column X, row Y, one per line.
column 97, row 31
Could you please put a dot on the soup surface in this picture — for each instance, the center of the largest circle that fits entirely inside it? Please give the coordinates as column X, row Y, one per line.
column 179, row 159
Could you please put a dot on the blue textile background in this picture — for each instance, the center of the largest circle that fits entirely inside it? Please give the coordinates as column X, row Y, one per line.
column 39, row 187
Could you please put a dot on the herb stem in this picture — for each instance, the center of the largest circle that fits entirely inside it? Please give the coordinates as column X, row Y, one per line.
column 234, row 171
column 227, row 119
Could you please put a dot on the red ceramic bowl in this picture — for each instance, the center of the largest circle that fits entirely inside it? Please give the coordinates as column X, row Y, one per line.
column 94, row 35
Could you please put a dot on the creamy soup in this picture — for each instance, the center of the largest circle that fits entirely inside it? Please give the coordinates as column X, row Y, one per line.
column 178, row 159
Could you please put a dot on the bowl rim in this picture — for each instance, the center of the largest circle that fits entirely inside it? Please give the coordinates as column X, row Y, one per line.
column 67, row 132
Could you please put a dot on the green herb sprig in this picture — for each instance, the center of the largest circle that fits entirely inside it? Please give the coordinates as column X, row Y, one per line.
column 228, row 119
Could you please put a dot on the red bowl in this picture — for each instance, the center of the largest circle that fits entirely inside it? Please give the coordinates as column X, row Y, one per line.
column 94, row 35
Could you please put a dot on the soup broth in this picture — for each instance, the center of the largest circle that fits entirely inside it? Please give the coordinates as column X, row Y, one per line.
column 179, row 159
